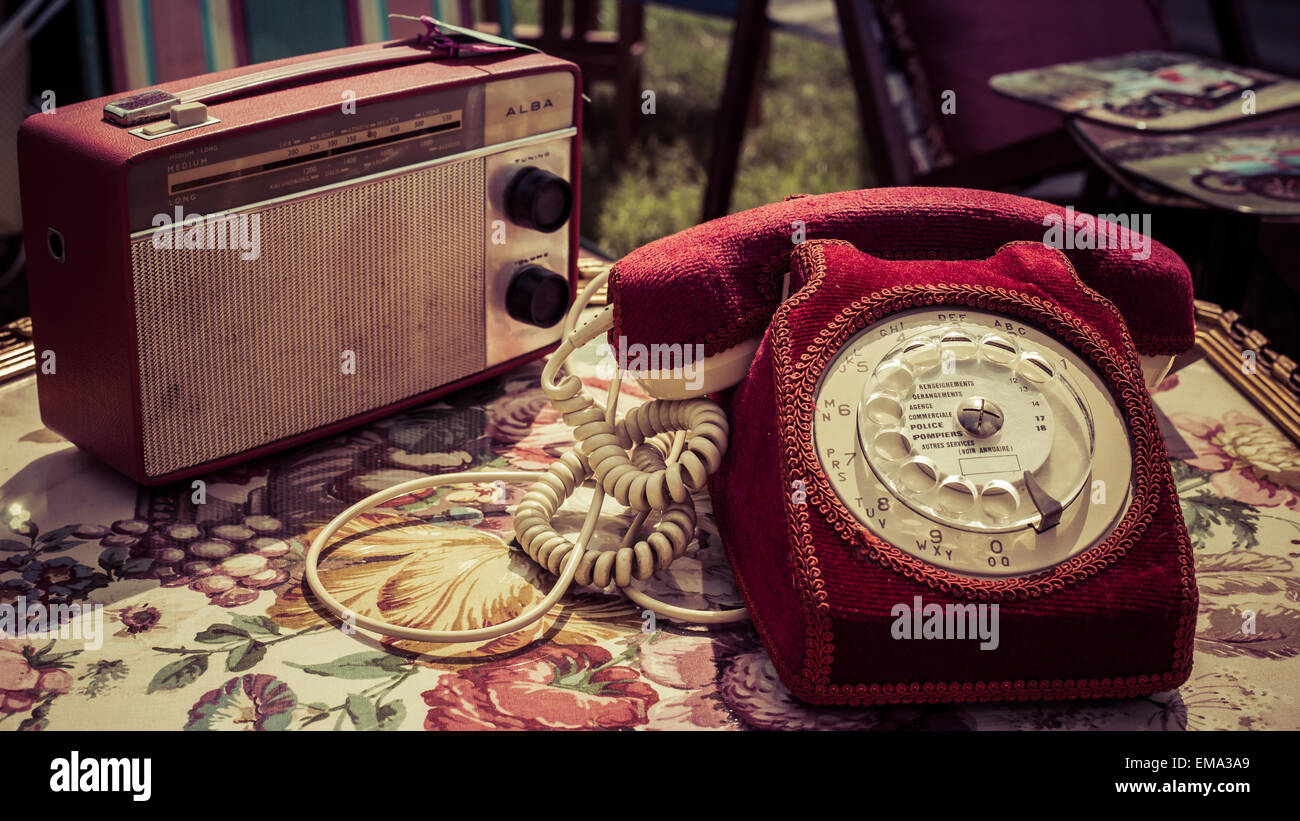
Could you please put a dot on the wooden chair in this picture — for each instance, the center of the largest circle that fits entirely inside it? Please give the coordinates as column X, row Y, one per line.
column 613, row 56
column 939, row 46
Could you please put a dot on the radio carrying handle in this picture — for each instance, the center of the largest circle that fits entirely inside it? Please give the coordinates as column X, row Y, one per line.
column 435, row 43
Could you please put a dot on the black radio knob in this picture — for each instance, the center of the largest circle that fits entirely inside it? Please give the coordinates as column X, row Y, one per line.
column 537, row 296
column 539, row 200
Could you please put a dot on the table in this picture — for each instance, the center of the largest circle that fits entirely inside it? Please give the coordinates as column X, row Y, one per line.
column 1181, row 132
column 205, row 625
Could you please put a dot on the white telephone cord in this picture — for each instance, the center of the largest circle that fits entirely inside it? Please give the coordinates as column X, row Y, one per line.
column 674, row 444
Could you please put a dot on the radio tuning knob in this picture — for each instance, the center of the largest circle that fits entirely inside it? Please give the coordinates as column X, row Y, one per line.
column 539, row 200
column 537, row 296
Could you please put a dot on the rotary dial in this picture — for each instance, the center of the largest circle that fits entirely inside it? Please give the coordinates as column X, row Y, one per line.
column 974, row 441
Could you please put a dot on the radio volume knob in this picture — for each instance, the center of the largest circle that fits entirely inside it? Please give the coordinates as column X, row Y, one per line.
column 537, row 296
column 539, row 200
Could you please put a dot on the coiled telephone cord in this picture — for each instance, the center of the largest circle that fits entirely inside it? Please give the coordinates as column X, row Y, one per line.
column 674, row 445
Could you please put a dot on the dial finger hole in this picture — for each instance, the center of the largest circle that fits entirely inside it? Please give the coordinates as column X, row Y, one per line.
column 891, row 445
column 921, row 354
column 883, row 409
column 919, row 474
column 1034, row 368
column 998, row 350
column 1000, row 500
column 957, row 344
column 895, row 378
column 956, row 495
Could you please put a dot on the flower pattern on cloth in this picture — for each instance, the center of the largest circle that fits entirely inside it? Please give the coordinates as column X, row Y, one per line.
column 206, row 624
column 551, row 687
column 251, row 702
column 1250, row 460
column 25, row 680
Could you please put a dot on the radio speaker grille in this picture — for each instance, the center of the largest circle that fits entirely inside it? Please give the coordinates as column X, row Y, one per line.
column 386, row 276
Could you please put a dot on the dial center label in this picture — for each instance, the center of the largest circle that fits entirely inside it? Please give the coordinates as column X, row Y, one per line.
column 1022, row 442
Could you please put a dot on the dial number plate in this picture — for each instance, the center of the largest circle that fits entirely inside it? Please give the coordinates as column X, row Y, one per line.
column 973, row 441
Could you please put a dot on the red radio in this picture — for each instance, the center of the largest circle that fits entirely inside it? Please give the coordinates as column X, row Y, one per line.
column 230, row 265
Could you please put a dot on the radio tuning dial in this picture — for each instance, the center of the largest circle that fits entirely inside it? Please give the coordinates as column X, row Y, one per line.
column 539, row 200
column 537, row 296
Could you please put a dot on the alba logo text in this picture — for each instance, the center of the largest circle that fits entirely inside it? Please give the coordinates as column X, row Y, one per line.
column 529, row 108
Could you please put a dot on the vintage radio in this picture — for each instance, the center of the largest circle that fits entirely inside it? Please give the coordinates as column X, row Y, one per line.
column 229, row 265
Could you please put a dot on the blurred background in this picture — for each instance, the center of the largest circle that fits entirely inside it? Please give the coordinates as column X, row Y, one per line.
column 703, row 108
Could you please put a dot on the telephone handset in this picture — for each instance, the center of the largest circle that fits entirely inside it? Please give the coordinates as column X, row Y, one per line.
column 717, row 284
column 958, row 427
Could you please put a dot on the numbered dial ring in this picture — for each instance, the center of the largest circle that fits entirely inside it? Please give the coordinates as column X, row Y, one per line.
column 976, row 442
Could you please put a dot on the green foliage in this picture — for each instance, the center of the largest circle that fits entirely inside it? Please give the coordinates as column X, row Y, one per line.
column 100, row 675
column 1206, row 510
column 367, row 710
column 179, row 673
column 236, row 640
column 807, row 142
column 369, row 664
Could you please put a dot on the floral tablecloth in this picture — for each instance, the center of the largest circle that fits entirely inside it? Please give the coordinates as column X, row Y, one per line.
column 205, row 624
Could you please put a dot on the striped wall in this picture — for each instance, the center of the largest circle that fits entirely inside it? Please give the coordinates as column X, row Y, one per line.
column 151, row 41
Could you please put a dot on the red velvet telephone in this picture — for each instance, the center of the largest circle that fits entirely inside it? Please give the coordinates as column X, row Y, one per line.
column 935, row 464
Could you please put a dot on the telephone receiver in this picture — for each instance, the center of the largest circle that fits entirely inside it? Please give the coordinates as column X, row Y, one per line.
column 925, row 398
column 717, row 284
